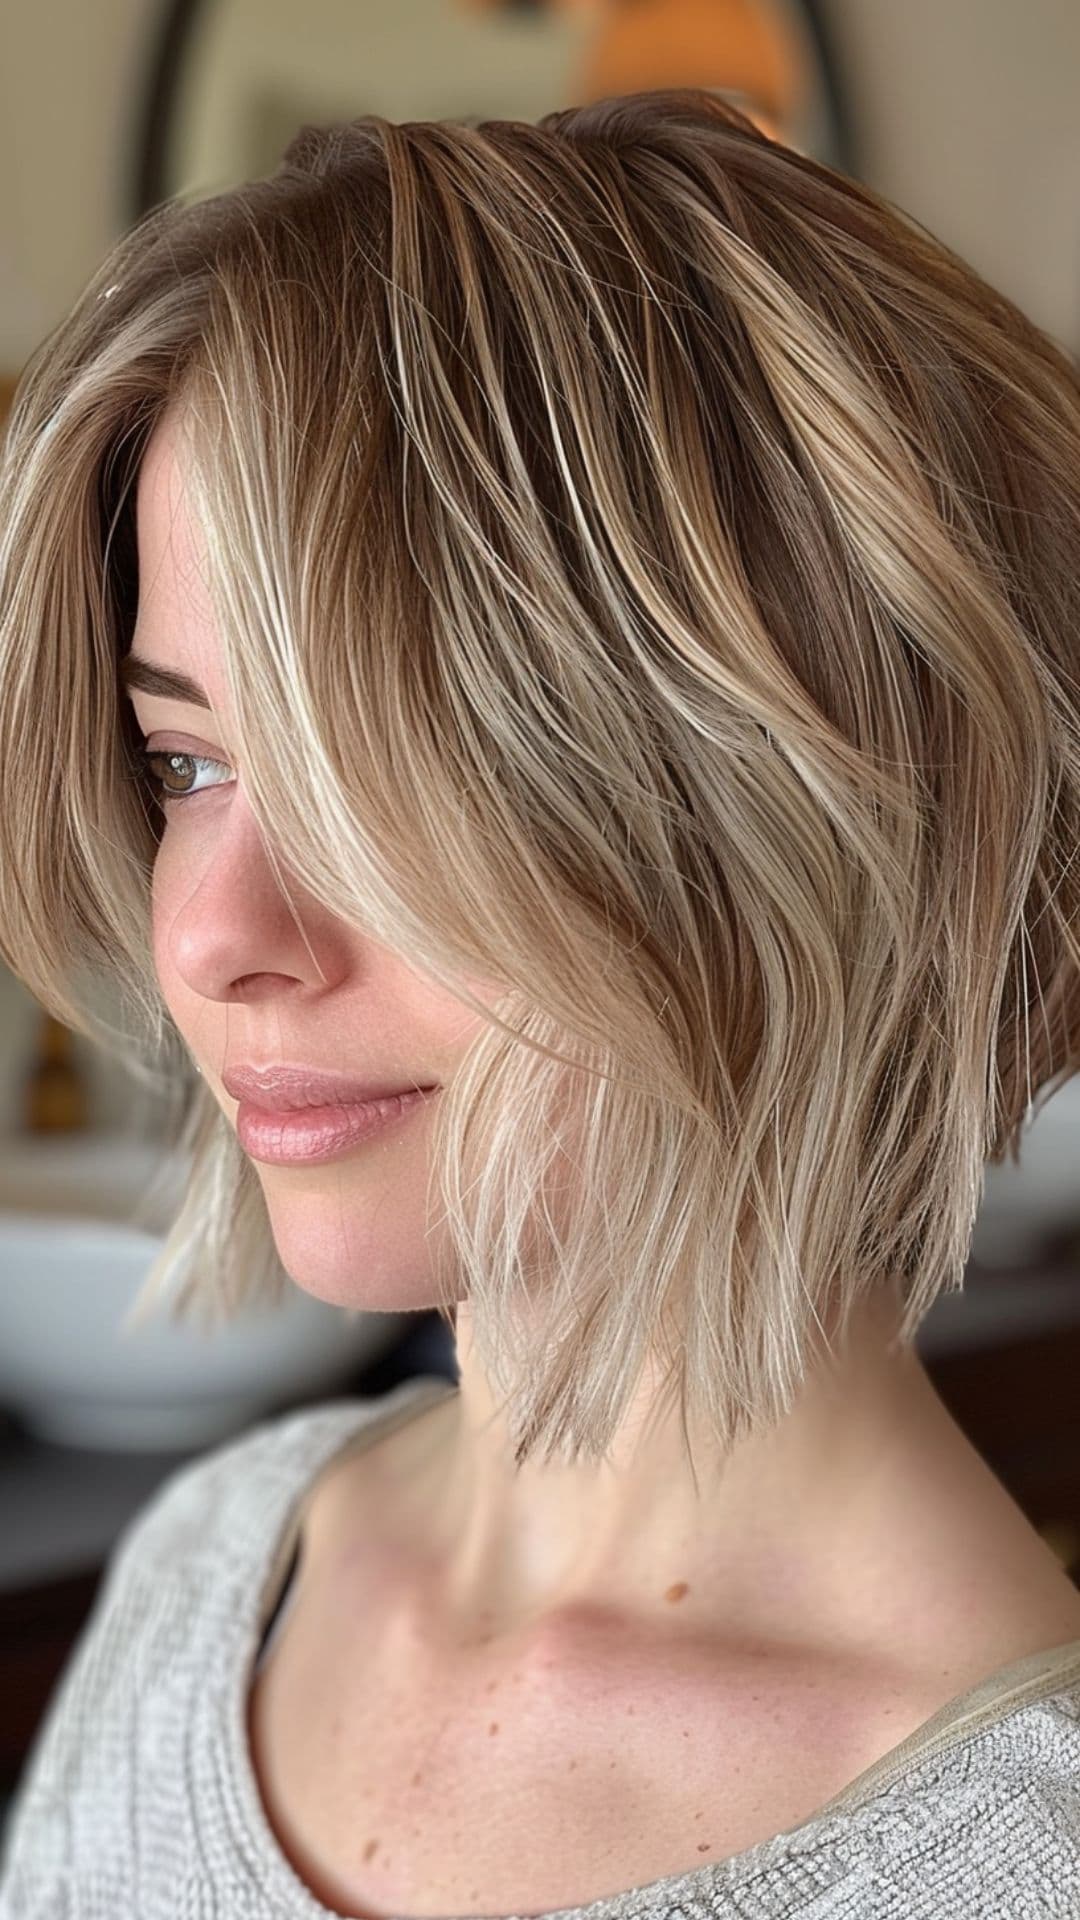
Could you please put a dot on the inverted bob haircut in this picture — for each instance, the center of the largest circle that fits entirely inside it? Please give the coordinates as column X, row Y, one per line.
column 647, row 567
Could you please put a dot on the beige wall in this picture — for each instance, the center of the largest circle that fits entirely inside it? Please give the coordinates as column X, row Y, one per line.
column 67, row 76
column 968, row 110
column 966, row 115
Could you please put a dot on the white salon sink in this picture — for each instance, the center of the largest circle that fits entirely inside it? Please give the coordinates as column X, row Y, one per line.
column 1025, row 1206
column 81, row 1218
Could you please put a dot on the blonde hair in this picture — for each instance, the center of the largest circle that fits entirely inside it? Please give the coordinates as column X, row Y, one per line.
column 648, row 575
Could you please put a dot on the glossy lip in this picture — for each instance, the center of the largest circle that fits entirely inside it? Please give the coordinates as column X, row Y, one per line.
column 282, row 1089
column 292, row 1137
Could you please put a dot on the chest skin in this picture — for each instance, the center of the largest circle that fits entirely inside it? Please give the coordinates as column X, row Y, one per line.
column 413, row 1760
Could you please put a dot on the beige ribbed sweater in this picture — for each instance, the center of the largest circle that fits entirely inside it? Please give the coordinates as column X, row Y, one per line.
column 140, row 1801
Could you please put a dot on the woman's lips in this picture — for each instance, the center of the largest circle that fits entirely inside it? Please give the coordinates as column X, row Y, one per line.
column 280, row 1087
column 307, row 1135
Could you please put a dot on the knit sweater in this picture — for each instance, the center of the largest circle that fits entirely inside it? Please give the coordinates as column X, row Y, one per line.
column 140, row 1800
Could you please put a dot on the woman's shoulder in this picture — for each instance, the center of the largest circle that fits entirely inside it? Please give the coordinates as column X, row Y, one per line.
column 170, row 1626
column 985, row 1820
column 221, row 1505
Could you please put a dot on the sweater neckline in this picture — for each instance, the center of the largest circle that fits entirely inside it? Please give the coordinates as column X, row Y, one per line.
column 341, row 1427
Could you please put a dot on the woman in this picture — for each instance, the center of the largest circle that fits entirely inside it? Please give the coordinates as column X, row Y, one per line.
column 575, row 625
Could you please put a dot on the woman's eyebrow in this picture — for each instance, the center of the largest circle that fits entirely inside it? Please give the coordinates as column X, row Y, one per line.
column 135, row 671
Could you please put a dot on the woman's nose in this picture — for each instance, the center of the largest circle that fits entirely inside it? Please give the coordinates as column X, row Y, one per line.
column 234, row 933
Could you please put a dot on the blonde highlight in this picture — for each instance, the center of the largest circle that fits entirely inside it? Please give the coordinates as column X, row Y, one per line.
column 684, row 544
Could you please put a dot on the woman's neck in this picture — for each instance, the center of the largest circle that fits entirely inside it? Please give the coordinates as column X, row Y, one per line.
column 776, row 1538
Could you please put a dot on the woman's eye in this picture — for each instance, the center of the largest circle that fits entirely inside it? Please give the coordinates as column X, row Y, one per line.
column 169, row 774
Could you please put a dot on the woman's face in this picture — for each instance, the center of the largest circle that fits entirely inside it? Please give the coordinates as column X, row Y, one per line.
column 237, row 976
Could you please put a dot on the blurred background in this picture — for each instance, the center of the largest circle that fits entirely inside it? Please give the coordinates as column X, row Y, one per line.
column 964, row 114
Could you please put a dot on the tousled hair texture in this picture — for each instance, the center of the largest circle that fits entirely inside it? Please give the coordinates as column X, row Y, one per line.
column 647, row 568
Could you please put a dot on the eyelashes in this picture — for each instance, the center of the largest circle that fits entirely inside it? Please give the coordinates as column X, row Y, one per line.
column 143, row 766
